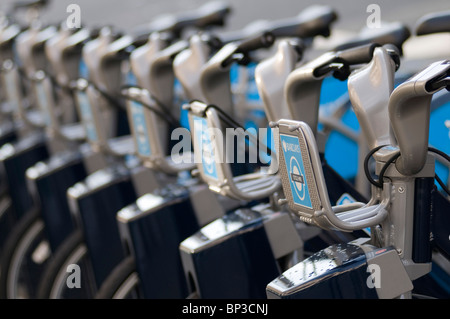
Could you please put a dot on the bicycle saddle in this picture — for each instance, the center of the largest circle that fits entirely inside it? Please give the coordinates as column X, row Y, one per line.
column 210, row 14
column 433, row 23
column 312, row 21
column 390, row 33
column 30, row 4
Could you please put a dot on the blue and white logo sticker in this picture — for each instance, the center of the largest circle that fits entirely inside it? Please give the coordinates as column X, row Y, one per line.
column 87, row 116
column 204, row 141
column 345, row 199
column 140, row 129
column 295, row 170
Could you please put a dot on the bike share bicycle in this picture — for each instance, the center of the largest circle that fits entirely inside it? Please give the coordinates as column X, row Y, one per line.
column 209, row 250
column 399, row 210
column 96, row 200
column 152, row 266
column 436, row 282
column 127, row 269
column 15, row 199
column 35, row 145
column 194, row 254
column 71, row 160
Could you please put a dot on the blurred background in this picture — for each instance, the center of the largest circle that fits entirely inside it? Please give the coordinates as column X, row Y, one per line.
column 352, row 17
column 129, row 13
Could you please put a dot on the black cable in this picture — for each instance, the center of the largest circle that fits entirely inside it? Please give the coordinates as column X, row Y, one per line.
column 166, row 117
column 233, row 123
column 379, row 182
column 164, row 107
column 439, row 152
column 366, row 166
column 112, row 99
column 65, row 88
column 385, row 166
column 227, row 118
column 442, row 184
column 169, row 119
column 438, row 179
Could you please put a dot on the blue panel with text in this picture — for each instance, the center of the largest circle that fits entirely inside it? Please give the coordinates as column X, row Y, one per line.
column 295, row 170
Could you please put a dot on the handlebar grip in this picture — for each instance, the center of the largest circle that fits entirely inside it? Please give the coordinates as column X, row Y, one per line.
column 357, row 55
column 395, row 54
column 312, row 21
column 260, row 41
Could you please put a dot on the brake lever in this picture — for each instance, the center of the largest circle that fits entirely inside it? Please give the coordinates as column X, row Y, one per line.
column 439, row 83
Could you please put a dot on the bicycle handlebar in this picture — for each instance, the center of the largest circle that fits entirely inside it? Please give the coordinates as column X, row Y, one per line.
column 357, row 55
column 340, row 62
column 308, row 80
column 310, row 22
column 264, row 40
column 409, row 112
column 212, row 13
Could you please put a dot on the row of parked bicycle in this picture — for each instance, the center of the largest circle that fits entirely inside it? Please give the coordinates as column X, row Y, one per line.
column 120, row 179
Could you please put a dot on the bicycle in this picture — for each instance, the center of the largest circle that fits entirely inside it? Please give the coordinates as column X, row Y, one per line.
column 123, row 183
column 400, row 198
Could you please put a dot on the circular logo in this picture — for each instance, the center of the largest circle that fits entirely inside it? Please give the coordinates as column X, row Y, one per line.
column 297, row 177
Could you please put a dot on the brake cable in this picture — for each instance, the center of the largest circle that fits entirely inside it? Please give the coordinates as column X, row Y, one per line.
column 165, row 114
column 235, row 124
column 438, row 179
column 391, row 160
